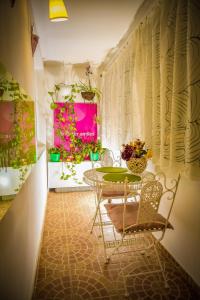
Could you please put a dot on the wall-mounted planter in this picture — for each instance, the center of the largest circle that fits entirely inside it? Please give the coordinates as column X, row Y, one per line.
column 94, row 156
column 54, row 157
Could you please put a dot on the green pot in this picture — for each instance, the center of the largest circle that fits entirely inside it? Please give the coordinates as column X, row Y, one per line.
column 94, row 156
column 55, row 157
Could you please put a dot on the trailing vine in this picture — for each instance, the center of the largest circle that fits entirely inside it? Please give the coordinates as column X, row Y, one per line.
column 17, row 146
column 65, row 129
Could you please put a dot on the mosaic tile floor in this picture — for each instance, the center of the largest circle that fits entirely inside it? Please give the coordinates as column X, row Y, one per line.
column 71, row 264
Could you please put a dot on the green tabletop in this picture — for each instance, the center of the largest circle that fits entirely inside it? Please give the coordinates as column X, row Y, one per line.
column 120, row 177
column 112, row 170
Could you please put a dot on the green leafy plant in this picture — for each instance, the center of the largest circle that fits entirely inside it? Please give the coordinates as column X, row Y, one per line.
column 53, row 150
column 17, row 148
column 78, row 150
column 87, row 91
column 84, row 88
column 96, row 147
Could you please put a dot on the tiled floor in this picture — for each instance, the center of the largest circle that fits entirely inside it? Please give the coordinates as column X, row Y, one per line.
column 71, row 264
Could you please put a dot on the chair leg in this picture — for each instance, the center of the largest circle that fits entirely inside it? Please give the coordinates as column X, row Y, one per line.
column 160, row 264
column 97, row 203
column 116, row 248
column 94, row 218
column 102, row 233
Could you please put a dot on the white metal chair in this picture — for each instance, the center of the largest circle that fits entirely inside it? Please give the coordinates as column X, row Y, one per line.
column 108, row 159
column 137, row 220
column 109, row 192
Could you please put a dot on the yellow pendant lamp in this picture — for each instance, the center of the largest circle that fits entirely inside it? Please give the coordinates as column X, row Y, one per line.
column 57, row 11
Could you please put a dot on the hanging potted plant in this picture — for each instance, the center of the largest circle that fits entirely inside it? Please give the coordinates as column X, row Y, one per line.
column 87, row 91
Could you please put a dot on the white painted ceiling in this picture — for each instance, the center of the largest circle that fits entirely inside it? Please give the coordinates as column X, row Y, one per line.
column 93, row 28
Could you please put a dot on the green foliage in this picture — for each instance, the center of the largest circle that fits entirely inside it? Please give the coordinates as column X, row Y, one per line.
column 78, row 151
column 17, row 149
column 83, row 87
column 53, row 150
column 96, row 147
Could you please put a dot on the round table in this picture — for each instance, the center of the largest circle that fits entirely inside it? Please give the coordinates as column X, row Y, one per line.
column 92, row 177
column 113, row 190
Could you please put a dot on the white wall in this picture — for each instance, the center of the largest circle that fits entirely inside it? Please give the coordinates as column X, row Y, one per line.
column 183, row 243
column 20, row 235
column 21, row 227
column 15, row 41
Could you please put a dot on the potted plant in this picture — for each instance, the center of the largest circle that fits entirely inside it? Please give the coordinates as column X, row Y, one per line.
column 96, row 150
column 54, row 154
column 87, row 91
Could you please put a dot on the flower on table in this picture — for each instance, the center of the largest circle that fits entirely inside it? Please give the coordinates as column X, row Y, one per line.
column 134, row 149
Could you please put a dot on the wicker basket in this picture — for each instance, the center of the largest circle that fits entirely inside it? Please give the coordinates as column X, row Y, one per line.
column 137, row 165
column 88, row 95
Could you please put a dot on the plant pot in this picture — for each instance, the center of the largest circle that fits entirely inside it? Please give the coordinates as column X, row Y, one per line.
column 94, row 156
column 88, row 95
column 54, row 157
column 137, row 165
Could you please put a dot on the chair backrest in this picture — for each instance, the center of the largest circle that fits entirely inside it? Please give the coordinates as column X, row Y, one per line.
column 151, row 195
column 114, row 190
column 149, row 202
column 108, row 159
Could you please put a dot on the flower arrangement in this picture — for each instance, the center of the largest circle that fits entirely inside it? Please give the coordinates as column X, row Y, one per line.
column 134, row 149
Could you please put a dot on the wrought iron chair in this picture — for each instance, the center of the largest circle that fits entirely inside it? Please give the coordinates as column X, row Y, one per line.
column 109, row 192
column 135, row 220
column 108, row 159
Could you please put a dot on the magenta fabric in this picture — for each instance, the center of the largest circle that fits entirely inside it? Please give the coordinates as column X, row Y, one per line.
column 86, row 122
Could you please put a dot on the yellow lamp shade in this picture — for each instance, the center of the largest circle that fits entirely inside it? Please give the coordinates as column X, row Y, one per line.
column 57, row 11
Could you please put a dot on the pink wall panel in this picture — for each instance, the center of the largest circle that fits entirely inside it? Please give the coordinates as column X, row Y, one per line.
column 86, row 122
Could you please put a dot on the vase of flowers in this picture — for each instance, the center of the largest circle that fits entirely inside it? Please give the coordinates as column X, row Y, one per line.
column 135, row 156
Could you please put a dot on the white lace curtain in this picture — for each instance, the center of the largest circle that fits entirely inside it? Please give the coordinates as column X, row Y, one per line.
column 152, row 89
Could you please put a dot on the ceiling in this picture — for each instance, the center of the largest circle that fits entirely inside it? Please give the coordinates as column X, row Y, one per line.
column 93, row 28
